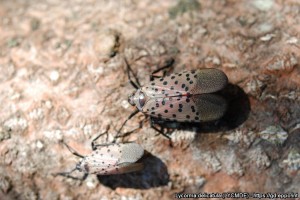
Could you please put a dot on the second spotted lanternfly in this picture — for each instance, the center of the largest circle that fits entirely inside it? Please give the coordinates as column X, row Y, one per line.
column 108, row 159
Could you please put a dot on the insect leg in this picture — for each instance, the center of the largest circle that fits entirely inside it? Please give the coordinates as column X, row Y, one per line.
column 129, row 132
column 129, row 117
column 161, row 132
column 126, row 134
column 73, row 151
column 94, row 146
column 135, row 83
column 169, row 63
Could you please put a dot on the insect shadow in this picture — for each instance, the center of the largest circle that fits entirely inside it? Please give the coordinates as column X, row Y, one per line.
column 237, row 112
column 154, row 174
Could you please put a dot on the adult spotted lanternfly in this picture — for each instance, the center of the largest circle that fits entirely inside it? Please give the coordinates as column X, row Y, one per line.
column 108, row 159
column 187, row 96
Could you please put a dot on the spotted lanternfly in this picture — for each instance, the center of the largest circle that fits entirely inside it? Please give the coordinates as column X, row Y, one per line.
column 188, row 96
column 107, row 159
column 183, row 97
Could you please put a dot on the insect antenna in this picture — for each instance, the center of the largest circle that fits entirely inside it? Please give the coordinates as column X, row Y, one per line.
column 73, row 151
column 135, row 83
column 67, row 174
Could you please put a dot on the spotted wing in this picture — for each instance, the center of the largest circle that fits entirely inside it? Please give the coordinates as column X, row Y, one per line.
column 195, row 108
column 192, row 82
column 115, row 159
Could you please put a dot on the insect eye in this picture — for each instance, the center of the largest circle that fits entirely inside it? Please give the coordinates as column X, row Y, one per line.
column 142, row 99
column 131, row 99
column 78, row 167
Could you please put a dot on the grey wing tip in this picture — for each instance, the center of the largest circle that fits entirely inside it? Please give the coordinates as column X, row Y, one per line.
column 131, row 152
column 210, row 80
column 211, row 107
column 221, row 77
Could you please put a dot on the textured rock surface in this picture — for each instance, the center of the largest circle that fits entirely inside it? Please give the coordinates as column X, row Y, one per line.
column 63, row 78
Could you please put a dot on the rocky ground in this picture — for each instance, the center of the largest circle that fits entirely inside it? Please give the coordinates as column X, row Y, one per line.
column 63, row 78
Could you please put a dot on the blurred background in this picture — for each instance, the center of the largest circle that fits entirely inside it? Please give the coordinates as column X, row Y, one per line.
column 63, row 78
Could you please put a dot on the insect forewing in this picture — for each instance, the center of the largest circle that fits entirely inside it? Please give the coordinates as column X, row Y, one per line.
column 197, row 108
column 193, row 82
column 114, row 159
